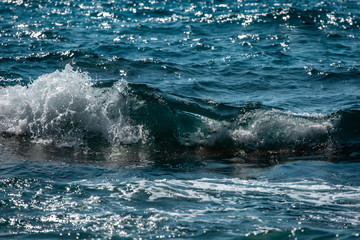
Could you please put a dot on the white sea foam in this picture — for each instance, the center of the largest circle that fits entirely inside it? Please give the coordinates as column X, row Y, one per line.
column 264, row 129
column 233, row 195
column 63, row 107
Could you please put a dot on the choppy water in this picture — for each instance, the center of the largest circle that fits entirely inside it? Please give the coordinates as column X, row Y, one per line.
column 179, row 119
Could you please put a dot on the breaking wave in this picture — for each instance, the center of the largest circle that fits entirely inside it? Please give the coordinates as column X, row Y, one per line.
column 68, row 108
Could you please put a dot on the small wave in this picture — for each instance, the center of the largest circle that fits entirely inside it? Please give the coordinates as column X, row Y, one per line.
column 67, row 108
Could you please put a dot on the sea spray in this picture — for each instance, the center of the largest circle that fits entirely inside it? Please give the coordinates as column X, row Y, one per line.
column 64, row 108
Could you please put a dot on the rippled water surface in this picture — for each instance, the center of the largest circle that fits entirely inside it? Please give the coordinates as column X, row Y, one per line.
column 179, row 119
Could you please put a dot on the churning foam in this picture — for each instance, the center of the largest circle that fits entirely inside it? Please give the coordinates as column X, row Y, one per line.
column 64, row 108
column 266, row 129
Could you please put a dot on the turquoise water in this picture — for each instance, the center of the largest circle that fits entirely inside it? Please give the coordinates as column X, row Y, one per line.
column 179, row 119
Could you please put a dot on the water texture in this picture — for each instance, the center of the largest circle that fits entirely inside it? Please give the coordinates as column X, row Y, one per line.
column 179, row 119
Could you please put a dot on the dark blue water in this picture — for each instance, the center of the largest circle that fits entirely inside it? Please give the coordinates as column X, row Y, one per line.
column 179, row 119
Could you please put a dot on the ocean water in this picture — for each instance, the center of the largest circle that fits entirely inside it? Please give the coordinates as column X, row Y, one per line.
column 180, row 119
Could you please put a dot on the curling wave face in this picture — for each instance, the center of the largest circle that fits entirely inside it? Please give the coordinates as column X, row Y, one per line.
column 67, row 108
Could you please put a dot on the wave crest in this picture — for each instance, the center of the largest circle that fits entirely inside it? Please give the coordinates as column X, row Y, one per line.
column 63, row 107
